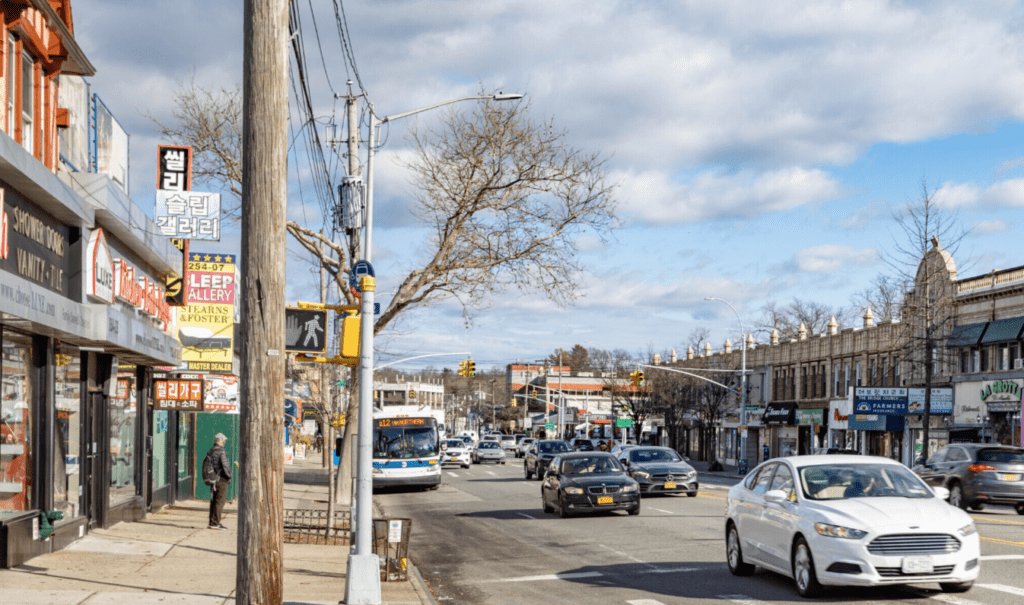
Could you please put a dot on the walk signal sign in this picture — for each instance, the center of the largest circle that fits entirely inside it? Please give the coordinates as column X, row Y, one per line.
column 305, row 331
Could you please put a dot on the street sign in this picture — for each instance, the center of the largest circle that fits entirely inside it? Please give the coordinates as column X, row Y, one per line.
column 549, row 426
column 360, row 270
column 305, row 331
column 623, row 422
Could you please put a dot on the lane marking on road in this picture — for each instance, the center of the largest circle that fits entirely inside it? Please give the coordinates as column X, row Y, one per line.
column 1000, row 541
column 629, row 556
column 491, row 473
column 451, row 474
column 938, row 596
column 526, row 515
column 661, row 510
column 740, row 599
column 554, row 576
column 988, row 519
column 644, row 602
column 707, row 495
column 1001, row 557
column 1004, row 588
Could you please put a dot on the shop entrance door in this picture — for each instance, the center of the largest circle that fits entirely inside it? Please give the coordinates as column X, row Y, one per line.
column 93, row 469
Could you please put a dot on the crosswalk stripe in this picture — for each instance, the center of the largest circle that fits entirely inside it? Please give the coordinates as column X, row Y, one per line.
column 1004, row 588
column 739, row 599
column 451, row 474
column 644, row 602
column 553, row 576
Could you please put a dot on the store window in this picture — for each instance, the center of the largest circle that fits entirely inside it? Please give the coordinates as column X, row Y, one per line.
column 67, row 452
column 16, row 395
column 160, row 433
column 183, row 461
column 123, row 421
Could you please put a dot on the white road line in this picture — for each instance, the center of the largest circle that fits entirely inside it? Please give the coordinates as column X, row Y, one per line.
column 1001, row 557
column 739, row 599
column 451, row 474
column 554, row 576
column 491, row 473
column 945, row 598
column 526, row 515
column 645, row 602
column 628, row 556
column 1004, row 588
column 669, row 570
column 661, row 510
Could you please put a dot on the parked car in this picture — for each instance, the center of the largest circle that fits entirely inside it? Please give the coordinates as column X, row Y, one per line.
column 583, row 445
column 823, row 451
column 508, row 443
column 579, row 482
column 977, row 474
column 455, row 451
column 488, row 451
column 467, row 440
column 848, row 521
column 540, row 454
column 618, row 448
column 491, row 437
column 660, row 470
column 524, row 444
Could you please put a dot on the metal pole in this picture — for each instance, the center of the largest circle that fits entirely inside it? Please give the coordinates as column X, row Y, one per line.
column 743, row 384
column 561, row 400
column 362, row 584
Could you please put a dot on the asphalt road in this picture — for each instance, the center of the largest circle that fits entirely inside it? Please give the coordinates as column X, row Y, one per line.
column 482, row 539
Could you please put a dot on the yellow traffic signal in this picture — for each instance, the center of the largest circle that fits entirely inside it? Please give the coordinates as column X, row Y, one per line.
column 462, row 369
column 635, row 378
column 640, row 377
column 471, row 367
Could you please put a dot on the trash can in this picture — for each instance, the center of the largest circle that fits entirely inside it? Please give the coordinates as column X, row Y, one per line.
column 391, row 545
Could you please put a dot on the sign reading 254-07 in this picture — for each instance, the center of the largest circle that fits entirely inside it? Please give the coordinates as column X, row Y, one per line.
column 880, row 400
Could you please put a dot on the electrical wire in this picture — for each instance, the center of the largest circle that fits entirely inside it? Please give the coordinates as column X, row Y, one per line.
column 346, row 41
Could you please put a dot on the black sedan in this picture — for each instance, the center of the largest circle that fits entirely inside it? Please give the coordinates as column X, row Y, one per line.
column 540, row 454
column 660, row 470
column 588, row 482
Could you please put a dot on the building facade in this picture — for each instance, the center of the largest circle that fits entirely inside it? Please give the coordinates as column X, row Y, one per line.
column 83, row 320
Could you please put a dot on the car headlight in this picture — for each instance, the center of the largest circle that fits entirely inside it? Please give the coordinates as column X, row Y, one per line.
column 967, row 530
column 574, row 491
column 691, row 474
column 835, row 531
column 632, row 487
column 642, row 474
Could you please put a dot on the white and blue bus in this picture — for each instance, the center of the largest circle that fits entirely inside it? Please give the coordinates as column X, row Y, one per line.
column 406, row 451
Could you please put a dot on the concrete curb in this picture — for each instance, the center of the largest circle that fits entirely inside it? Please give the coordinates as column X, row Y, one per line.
column 420, row 586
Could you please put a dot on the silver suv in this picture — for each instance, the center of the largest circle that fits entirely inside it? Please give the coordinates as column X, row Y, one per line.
column 977, row 474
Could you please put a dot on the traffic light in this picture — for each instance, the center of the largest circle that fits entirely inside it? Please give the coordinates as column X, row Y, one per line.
column 462, row 369
column 624, row 408
column 640, row 376
column 635, row 378
column 471, row 367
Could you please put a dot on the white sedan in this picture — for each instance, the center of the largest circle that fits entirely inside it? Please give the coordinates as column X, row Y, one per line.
column 848, row 521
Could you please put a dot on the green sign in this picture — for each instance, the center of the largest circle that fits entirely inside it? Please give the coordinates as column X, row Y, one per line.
column 623, row 422
column 549, row 425
column 341, row 383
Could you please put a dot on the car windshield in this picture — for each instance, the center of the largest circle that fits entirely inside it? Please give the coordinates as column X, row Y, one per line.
column 488, row 445
column 1005, row 456
column 645, row 454
column 455, row 443
column 553, row 448
column 595, row 465
column 846, row 481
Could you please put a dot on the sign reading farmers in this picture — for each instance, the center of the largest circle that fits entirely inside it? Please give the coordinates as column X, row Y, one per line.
column 880, row 400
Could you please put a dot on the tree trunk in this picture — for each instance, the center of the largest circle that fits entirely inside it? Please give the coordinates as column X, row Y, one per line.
column 259, row 572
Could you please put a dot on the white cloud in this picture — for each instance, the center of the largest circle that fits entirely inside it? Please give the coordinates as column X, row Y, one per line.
column 833, row 258
column 655, row 197
column 1008, row 193
column 987, row 227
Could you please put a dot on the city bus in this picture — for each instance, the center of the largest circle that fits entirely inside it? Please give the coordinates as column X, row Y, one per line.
column 406, row 451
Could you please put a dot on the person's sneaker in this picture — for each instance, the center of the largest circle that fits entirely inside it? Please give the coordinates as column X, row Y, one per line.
column 212, row 526
column 221, row 526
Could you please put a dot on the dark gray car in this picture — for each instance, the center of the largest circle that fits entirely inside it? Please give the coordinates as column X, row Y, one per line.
column 660, row 470
column 977, row 474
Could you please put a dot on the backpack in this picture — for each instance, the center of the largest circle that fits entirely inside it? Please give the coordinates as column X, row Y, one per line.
column 210, row 474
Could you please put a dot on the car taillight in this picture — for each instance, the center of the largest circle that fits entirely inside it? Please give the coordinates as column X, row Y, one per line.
column 977, row 468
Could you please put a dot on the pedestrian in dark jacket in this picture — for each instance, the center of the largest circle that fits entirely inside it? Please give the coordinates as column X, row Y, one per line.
column 219, row 481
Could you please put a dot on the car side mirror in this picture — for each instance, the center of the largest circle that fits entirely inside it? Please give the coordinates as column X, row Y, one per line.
column 551, row 473
column 941, row 492
column 776, row 495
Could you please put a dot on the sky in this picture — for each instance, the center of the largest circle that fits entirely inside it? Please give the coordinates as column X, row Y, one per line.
column 760, row 149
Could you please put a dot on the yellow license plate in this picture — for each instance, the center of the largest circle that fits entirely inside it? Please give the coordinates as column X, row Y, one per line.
column 1010, row 477
column 670, row 485
column 604, row 500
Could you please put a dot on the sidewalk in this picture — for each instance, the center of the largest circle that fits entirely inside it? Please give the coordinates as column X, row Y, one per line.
column 171, row 558
column 727, row 477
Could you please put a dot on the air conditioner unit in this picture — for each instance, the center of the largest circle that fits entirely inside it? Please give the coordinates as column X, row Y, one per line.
column 1018, row 364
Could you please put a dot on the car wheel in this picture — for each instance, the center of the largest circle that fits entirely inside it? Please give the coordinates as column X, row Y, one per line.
column 803, row 570
column 1020, row 508
column 563, row 508
column 956, row 587
column 977, row 505
column 734, row 554
column 635, row 511
column 544, row 503
column 540, row 477
column 529, row 473
column 956, row 496
column 465, row 466
column 692, row 494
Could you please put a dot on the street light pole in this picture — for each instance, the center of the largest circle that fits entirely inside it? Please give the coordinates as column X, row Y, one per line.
column 742, row 461
column 362, row 585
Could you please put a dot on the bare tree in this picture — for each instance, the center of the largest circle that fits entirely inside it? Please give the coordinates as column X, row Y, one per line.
column 787, row 319
column 929, row 308
column 505, row 198
column 884, row 297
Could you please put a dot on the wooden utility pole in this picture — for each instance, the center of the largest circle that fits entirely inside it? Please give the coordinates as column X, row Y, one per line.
column 260, row 568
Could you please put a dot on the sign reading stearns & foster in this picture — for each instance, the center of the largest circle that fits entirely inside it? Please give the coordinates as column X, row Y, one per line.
column 176, row 394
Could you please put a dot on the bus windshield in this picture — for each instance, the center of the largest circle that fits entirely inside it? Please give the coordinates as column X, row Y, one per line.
column 405, row 441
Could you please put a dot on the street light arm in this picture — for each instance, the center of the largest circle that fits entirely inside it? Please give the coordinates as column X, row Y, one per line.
column 494, row 97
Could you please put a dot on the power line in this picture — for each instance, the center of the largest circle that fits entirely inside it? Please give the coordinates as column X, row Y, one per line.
column 346, row 41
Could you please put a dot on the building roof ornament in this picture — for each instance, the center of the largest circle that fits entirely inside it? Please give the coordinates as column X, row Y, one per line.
column 802, row 331
column 728, row 346
column 775, row 336
column 833, row 326
column 689, row 352
column 750, row 342
column 673, row 358
column 869, row 318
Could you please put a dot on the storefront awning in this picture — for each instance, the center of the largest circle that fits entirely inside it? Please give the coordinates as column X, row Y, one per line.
column 1003, row 330
column 965, row 336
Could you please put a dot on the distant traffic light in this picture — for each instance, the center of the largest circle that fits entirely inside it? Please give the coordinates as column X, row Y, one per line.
column 635, row 378
column 462, row 369
column 471, row 367
column 641, row 377
column 624, row 408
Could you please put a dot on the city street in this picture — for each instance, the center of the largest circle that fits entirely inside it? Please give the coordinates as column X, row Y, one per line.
column 483, row 539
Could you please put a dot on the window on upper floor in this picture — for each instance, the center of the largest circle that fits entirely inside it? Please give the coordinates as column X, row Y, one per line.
column 985, row 359
column 28, row 72
column 874, row 373
column 885, row 373
column 12, row 84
